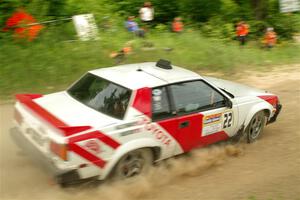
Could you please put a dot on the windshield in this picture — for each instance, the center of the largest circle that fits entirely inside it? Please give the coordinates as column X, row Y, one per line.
column 101, row 95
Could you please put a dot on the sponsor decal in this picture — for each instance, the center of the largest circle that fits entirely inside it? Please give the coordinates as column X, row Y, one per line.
column 156, row 131
column 215, row 118
column 214, row 128
column 93, row 146
column 156, row 92
column 212, row 124
column 157, row 104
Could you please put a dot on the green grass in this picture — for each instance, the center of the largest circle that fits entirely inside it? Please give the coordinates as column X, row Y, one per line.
column 49, row 64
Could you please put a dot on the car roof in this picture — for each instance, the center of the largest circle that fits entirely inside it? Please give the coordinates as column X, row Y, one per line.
column 135, row 76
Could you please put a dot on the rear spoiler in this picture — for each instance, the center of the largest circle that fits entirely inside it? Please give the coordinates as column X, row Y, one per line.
column 28, row 101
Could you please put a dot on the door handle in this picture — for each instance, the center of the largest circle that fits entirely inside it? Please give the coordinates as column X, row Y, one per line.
column 184, row 124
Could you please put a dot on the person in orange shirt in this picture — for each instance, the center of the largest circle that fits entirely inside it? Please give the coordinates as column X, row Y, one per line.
column 242, row 30
column 23, row 24
column 177, row 25
column 270, row 38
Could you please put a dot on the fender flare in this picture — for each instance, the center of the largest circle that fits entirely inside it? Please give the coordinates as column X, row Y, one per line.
column 262, row 106
column 125, row 148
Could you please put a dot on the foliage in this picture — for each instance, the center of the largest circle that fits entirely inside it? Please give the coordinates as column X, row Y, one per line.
column 214, row 17
column 216, row 28
column 200, row 11
column 47, row 65
column 6, row 8
column 162, row 28
column 55, row 59
column 285, row 24
column 229, row 10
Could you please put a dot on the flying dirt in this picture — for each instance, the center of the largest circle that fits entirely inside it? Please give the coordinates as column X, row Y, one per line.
column 266, row 169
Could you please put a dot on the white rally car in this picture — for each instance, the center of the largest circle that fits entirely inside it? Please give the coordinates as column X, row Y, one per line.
column 118, row 121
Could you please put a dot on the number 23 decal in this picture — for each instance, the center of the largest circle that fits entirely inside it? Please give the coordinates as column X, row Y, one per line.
column 227, row 120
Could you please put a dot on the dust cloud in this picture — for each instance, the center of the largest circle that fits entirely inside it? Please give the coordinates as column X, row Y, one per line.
column 170, row 171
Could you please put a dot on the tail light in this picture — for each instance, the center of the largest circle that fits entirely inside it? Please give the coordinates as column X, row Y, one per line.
column 61, row 150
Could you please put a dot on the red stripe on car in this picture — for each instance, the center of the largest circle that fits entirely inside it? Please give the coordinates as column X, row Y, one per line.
column 27, row 99
column 70, row 130
column 26, row 96
column 142, row 101
column 191, row 137
column 87, row 155
column 213, row 138
column 271, row 99
column 98, row 135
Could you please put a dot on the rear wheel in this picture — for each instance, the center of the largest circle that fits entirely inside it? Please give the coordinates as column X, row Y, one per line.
column 255, row 126
column 133, row 163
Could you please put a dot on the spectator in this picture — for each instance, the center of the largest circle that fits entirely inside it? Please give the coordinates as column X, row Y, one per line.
column 133, row 27
column 23, row 24
column 119, row 56
column 177, row 25
column 147, row 13
column 270, row 38
column 242, row 30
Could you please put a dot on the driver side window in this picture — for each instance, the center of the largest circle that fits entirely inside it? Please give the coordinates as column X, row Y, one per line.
column 195, row 96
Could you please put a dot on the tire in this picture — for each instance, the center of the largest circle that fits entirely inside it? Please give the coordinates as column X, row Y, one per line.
column 133, row 163
column 256, row 126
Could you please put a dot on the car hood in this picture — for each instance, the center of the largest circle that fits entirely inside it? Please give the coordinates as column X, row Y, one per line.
column 72, row 112
column 237, row 89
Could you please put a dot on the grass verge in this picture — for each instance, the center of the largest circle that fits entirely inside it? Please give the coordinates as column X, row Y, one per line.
column 48, row 65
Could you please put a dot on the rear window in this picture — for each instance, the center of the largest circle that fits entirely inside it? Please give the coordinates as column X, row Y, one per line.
column 101, row 95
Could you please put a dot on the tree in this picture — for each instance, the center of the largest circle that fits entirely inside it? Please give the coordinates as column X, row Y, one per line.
column 200, row 11
column 260, row 8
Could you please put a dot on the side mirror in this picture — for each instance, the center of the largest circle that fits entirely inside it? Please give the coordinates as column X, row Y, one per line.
column 228, row 103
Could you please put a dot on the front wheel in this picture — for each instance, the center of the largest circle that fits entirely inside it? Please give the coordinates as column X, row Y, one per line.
column 133, row 163
column 255, row 126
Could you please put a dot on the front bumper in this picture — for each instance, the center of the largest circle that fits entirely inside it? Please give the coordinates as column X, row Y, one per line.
column 278, row 109
column 63, row 177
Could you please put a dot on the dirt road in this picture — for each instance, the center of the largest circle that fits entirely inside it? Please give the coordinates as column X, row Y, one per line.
column 267, row 169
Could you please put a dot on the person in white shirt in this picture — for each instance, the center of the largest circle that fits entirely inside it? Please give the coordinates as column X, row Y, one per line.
column 147, row 12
